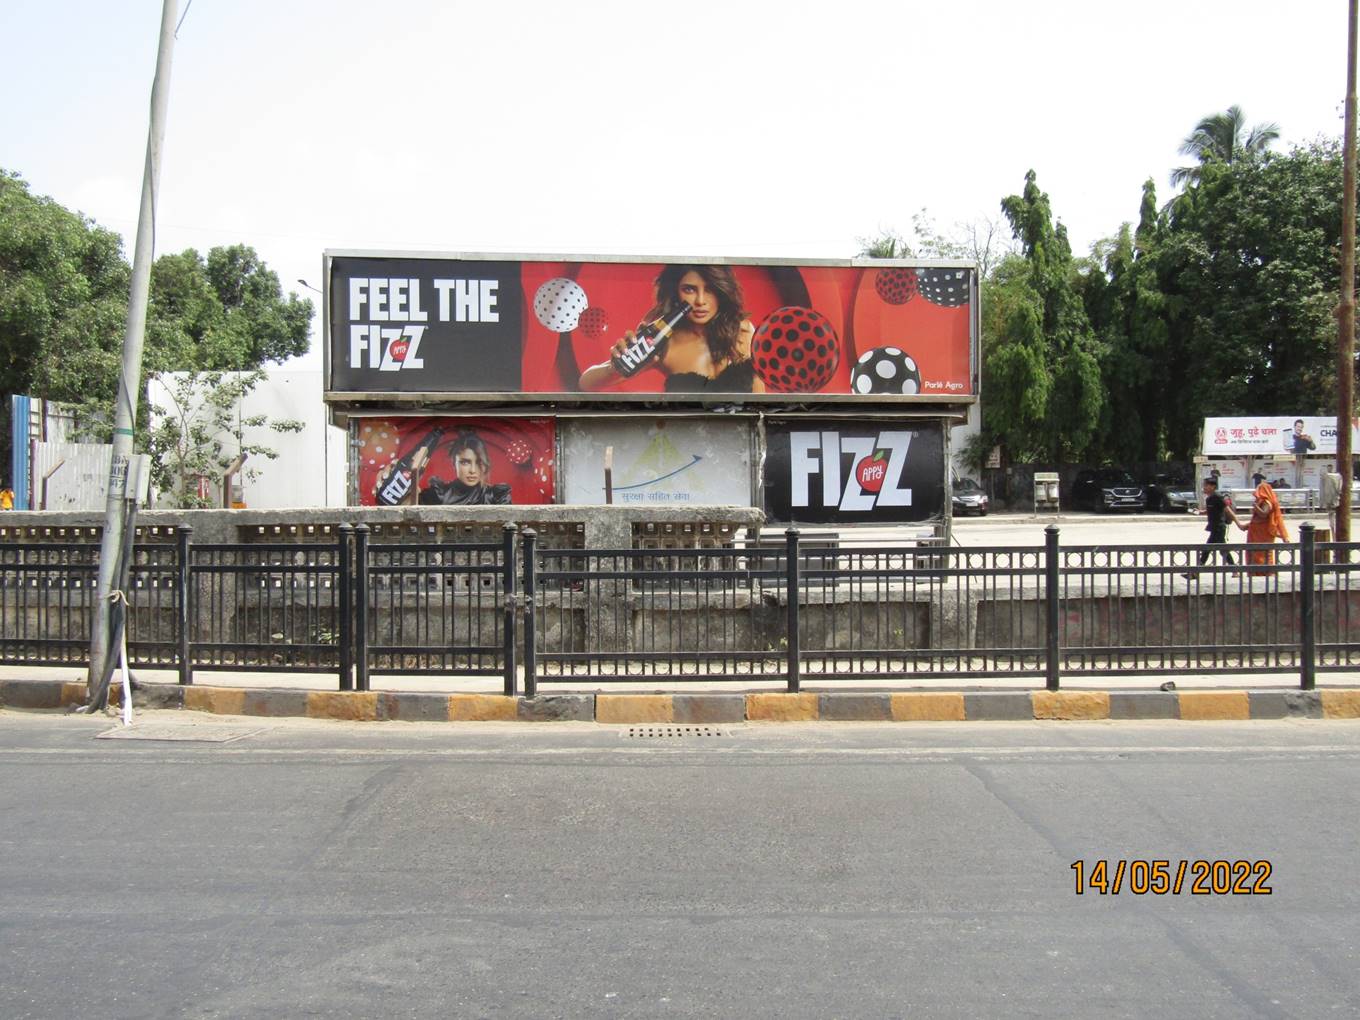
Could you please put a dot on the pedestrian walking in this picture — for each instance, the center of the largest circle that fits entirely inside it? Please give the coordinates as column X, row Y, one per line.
column 1219, row 512
column 1267, row 524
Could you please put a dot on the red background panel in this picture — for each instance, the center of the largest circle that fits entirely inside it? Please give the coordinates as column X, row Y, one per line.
column 382, row 440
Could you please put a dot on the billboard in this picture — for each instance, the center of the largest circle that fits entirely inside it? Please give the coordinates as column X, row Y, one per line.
column 841, row 472
column 455, row 461
column 658, row 462
column 519, row 329
column 1269, row 437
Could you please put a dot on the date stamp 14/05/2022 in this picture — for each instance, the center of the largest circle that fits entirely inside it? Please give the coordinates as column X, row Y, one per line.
column 1143, row 877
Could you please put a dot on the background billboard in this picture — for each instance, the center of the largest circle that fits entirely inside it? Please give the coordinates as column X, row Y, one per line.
column 843, row 472
column 1307, row 435
column 456, row 461
column 518, row 329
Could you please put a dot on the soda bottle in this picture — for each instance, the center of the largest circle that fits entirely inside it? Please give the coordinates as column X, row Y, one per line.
column 406, row 469
column 643, row 347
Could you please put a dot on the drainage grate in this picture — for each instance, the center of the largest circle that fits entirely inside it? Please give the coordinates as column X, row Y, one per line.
column 671, row 732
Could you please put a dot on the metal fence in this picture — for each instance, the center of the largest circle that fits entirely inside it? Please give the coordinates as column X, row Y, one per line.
column 895, row 612
column 436, row 608
column 792, row 610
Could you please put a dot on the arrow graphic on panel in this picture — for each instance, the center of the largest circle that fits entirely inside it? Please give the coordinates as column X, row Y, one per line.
column 671, row 474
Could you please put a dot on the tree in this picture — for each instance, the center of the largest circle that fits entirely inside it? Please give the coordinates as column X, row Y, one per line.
column 887, row 245
column 200, row 430
column 63, row 303
column 223, row 313
column 1044, row 348
column 982, row 240
column 1218, row 138
column 1017, row 378
column 63, row 309
column 1126, row 307
column 1250, row 275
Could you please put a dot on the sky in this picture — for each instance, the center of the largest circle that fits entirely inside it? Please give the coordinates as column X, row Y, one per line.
column 736, row 129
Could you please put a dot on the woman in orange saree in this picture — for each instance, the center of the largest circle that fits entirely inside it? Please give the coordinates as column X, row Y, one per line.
column 1267, row 524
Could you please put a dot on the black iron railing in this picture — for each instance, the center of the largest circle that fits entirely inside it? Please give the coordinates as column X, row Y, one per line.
column 788, row 610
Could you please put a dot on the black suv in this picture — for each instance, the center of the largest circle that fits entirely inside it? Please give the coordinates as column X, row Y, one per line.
column 1107, row 489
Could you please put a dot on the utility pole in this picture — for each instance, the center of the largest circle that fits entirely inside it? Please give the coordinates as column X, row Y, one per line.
column 1345, row 342
column 125, row 411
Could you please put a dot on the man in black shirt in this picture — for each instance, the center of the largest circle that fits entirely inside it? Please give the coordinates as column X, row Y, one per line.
column 1220, row 512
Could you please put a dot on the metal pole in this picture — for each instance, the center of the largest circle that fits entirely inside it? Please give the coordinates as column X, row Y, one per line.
column 530, row 652
column 361, row 608
column 508, row 599
column 1307, row 580
column 125, row 410
column 1345, row 390
column 344, row 607
column 1051, row 592
column 793, row 586
column 186, row 603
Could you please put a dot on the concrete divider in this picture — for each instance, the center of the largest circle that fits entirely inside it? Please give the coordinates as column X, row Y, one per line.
column 927, row 706
column 634, row 708
column 1071, row 705
column 782, row 707
column 712, row 708
column 1214, row 705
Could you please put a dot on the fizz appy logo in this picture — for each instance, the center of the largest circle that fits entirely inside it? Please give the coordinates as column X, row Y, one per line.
column 876, row 475
column 388, row 317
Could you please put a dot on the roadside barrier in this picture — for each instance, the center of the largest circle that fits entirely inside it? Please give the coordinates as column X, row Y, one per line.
column 797, row 611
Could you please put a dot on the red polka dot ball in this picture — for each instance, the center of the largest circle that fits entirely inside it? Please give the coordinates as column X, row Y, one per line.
column 795, row 350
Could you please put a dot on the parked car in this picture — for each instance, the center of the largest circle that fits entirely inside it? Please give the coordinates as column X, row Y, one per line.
column 1170, row 494
column 969, row 498
column 1107, row 489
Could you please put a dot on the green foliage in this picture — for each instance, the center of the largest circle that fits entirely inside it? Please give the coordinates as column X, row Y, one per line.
column 63, row 300
column 1221, row 304
column 977, row 449
column 1250, row 276
column 887, row 245
column 1125, row 305
column 221, row 314
column 1043, row 395
column 200, row 431
column 1222, row 138
column 983, row 241
column 63, row 310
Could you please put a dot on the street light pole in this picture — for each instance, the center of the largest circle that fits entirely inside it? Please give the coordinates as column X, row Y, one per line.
column 125, row 410
column 1345, row 346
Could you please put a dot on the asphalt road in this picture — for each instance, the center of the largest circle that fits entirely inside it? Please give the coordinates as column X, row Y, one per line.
column 309, row 869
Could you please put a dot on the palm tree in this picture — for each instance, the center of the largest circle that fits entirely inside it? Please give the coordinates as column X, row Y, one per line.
column 1218, row 138
column 887, row 245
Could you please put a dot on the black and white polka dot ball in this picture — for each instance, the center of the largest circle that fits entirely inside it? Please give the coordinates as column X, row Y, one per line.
column 558, row 304
column 886, row 370
column 945, row 287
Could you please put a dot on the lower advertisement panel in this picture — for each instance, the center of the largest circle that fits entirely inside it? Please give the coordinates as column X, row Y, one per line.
column 456, row 461
column 834, row 471
column 658, row 461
